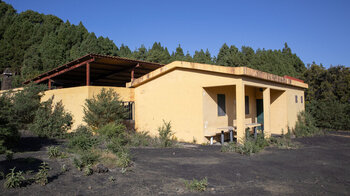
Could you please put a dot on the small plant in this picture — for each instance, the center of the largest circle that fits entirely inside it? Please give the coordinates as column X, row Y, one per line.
column 9, row 155
column 124, row 159
column 88, row 170
column 14, row 179
column 249, row 146
column 82, row 141
column 54, row 152
column 194, row 141
column 64, row 168
column 165, row 134
column 42, row 176
column 140, row 139
column 283, row 142
column 123, row 170
column 78, row 164
column 197, row 185
column 89, row 158
column 111, row 178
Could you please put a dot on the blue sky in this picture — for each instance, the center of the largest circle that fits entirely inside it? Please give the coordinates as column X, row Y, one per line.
column 316, row 30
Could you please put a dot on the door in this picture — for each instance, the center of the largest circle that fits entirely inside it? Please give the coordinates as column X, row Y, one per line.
column 260, row 113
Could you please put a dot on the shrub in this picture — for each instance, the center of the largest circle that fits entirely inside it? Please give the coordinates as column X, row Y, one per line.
column 14, row 179
column 51, row 121
column 89, row 158
column 82, row 141
column 140, row 139
column 42, row 176
column 54, row 152
column 249, row 146
column 197, row 185
column 104, row 108
column 88, row 170
column 124, row 159
column 116, row 144
column 165, row 134
column 77, row 163
column 25, row 104
column 9, row 135
column 305, row 126
column 112, row 130
column 283, row 142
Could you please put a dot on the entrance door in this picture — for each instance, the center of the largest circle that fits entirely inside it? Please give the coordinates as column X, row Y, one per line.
column 260, row 113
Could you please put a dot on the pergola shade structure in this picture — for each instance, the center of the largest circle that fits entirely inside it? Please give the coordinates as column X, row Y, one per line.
column 96, row 70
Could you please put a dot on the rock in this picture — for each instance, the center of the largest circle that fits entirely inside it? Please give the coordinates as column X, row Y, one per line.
column 100, row 168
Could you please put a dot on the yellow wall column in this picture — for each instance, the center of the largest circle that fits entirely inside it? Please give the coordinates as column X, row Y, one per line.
column 266, row 100
column 240, row 111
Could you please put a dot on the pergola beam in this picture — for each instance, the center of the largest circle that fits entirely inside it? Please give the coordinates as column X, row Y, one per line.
column 63, row 71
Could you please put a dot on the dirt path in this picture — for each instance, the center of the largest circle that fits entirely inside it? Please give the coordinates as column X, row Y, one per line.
column 319, row 167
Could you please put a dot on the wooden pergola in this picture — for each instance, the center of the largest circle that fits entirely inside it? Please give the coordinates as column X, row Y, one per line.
column 97, row 70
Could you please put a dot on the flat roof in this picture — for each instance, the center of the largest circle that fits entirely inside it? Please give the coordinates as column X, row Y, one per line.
column 104, row 71
column 238, row 71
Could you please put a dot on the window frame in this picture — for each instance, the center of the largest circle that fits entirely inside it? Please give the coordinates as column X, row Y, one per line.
column 221, row 99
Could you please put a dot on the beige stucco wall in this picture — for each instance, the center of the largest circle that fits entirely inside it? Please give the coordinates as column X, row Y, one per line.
column 187, row 98
column 74, row 98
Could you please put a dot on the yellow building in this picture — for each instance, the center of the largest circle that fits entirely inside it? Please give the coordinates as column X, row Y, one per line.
column 200, row 100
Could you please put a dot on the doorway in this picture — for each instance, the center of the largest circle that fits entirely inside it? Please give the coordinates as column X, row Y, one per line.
column 260, row 113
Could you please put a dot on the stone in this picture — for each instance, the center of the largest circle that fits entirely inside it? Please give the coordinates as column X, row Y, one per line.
column 100, row 168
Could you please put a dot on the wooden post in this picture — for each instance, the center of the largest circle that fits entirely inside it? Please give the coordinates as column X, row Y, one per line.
column 49, row 84
column 133, row 72
column 87, row 74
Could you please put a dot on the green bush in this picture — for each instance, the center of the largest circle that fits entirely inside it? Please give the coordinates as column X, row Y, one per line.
column 117, row 144
column 330, row 114
column 77, row 163
column 140, row 139
column 283, row 142
column 54, row 152
column 42, row 176
column 112, row 130
column 9, row 135
column 82, row 140
column 88, row 170
column 197, row 185
column 51, row 121
column 166, row 134
column 104, row 108
column 305, row 126
column 124, row 159
column 249, row 146
column 25, row 104
column 89, row 158
column 14, row 179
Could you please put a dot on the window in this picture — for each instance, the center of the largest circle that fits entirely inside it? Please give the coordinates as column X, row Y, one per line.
column 246, row 104
column 301, row 99
column 221, row 105
column 296, row 99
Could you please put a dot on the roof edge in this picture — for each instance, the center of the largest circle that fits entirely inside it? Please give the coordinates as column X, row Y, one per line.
column 242, row 71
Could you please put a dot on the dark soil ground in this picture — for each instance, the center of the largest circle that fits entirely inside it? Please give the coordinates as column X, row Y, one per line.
column 320, row 166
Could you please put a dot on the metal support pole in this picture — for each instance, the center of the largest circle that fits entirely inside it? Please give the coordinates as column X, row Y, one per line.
column 231, row 135
column 255, row 133
column 222, row 137
column 211, row 140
